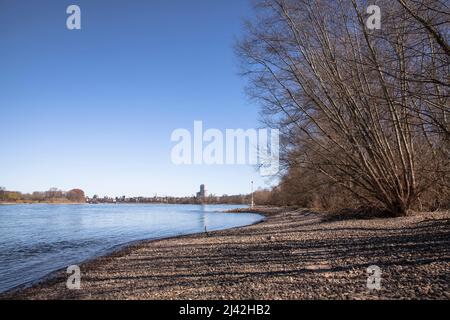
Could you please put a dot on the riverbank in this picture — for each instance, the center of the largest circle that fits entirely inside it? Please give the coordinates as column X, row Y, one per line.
column 42, row 203
column 290, row 255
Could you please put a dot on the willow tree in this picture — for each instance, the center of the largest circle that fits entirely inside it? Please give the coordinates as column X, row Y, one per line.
column 358, row 106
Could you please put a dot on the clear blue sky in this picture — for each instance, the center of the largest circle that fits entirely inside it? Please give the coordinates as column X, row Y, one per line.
column 95, row 108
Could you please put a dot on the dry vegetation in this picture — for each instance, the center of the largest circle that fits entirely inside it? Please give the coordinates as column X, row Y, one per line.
column 291, row 255
column 51, row 196
column 363, row 113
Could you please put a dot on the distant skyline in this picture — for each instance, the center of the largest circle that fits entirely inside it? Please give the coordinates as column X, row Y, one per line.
column 94, row 108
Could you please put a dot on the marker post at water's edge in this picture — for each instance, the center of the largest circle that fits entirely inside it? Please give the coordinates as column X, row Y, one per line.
column 252, row 203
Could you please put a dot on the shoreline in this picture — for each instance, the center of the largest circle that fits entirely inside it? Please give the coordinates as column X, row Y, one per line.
column 42, row 203
column 118, row 203
column 51, row 276
column 287, row 255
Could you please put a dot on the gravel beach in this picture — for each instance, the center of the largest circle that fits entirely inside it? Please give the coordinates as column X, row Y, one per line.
column 290, row 255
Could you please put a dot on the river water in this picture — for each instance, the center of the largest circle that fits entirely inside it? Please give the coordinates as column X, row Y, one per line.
column 38, row 239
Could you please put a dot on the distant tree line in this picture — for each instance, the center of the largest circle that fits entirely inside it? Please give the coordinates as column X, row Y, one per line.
column 211, row 199
column 51, row 196
column 363, row 114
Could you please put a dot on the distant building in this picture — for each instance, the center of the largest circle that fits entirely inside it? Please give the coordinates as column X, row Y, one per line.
column 203, row 193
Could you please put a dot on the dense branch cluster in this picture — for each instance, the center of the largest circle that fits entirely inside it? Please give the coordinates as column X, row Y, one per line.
column 363, row 113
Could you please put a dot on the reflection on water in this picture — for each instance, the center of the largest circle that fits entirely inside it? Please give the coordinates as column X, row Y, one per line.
column 202, row 220
column 38, row 239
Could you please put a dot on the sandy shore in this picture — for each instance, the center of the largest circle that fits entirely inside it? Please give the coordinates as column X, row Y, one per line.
column 291, row 255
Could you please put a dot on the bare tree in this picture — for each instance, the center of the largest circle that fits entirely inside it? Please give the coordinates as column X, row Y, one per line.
column 357, row 106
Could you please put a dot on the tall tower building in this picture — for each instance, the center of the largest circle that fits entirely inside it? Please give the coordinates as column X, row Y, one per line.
column 203, row 193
